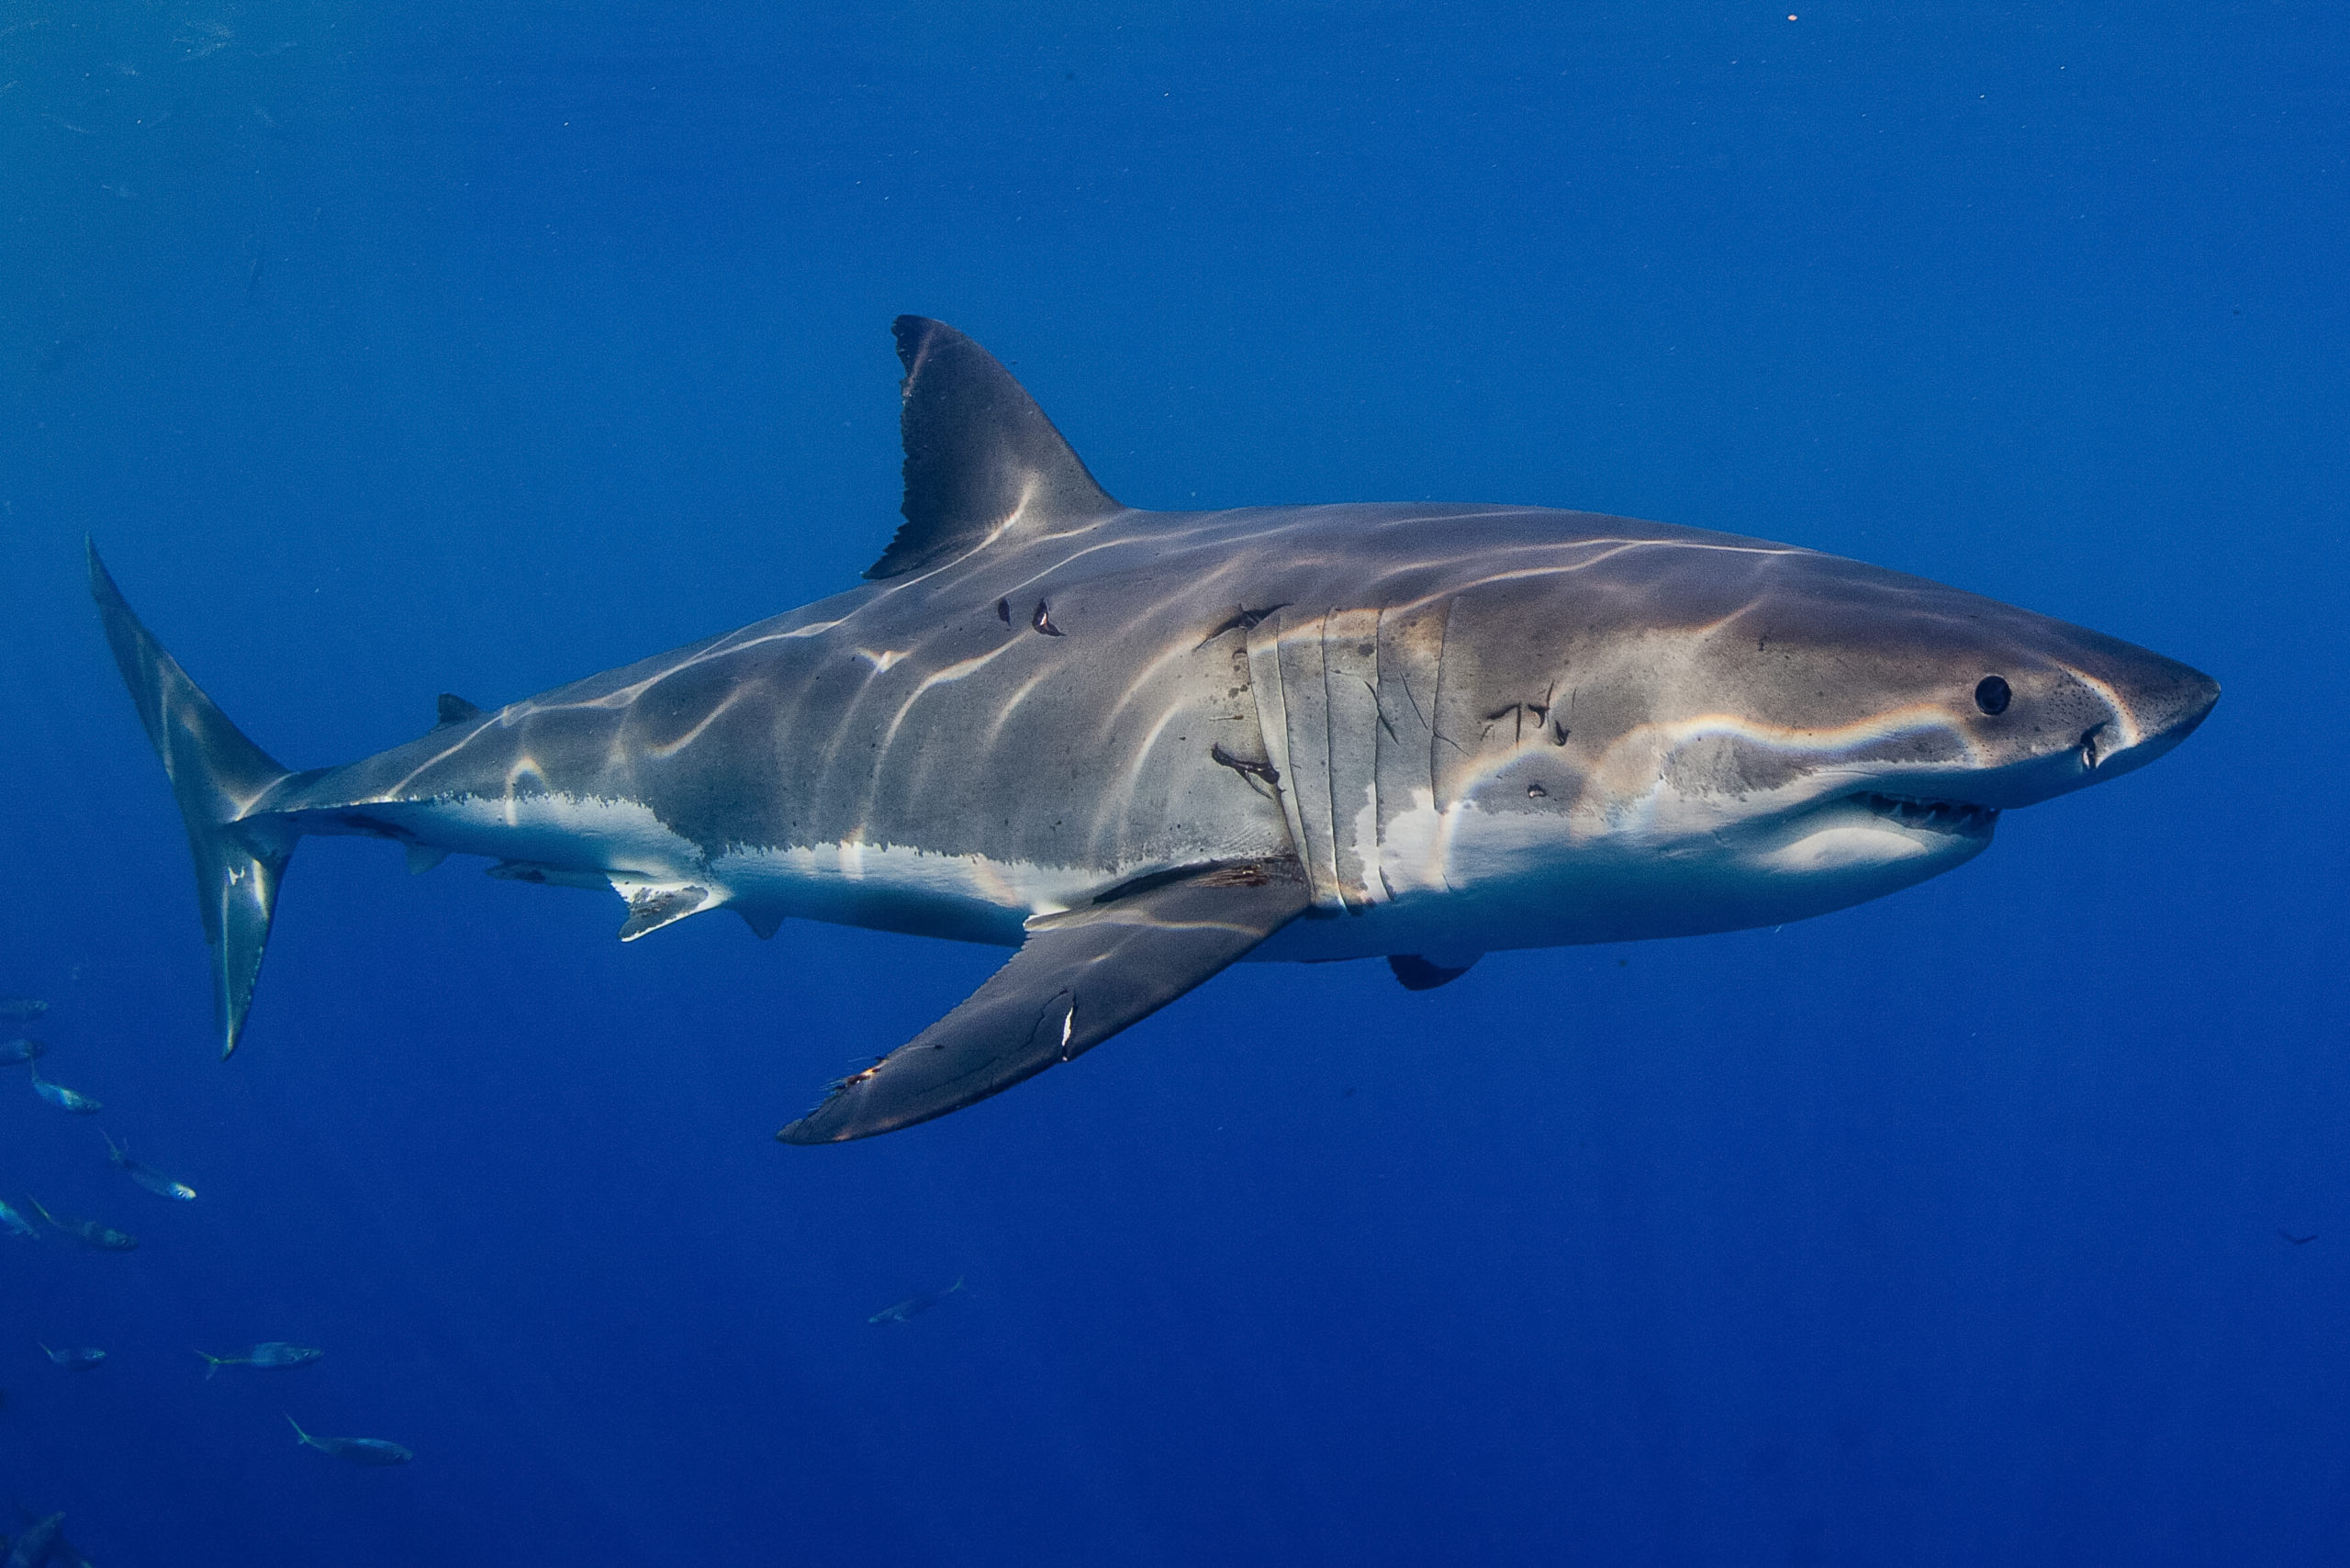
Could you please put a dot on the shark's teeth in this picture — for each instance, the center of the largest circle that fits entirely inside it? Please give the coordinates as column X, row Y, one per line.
column 1934, row 816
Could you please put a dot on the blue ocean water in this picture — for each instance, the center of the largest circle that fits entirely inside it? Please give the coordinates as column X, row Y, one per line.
column 389, row 350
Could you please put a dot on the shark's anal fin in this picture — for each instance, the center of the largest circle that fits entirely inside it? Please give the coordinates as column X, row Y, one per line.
column 1413, row 972
column 454, row 708
column 1080, row 978
column 981, row 458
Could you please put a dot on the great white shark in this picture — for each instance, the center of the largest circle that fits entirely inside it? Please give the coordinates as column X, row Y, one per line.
column 1136, row 747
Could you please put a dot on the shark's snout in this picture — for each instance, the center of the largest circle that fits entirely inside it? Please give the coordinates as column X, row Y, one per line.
column 2157, row 702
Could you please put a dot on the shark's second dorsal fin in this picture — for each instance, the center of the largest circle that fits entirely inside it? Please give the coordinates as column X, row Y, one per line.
column 981, row 456
column 454, row 710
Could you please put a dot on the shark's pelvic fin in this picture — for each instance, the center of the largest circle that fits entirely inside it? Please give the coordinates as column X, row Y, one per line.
column 981, row 458
column 1080, row 978
column 653, row 905
column 217, row 777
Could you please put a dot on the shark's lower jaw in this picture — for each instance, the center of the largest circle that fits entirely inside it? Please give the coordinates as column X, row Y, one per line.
column 1872, row 841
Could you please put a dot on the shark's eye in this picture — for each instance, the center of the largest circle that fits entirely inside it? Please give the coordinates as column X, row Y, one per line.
column 1991, row 694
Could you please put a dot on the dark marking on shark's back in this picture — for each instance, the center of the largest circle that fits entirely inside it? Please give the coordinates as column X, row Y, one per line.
column 1242, row 620
column 1244, row 766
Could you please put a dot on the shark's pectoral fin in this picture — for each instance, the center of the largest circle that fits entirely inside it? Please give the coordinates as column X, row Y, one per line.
column 1080, row 978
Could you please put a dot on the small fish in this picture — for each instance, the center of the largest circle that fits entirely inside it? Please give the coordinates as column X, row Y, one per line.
column 21, row 1006
column 913, row 1306
column 89, row 1232
column 16, row 1053
column 75, row 1357
column 17, row 1225
column 353, row 1450
column 268, row 1354
column 64, row 1099
column 147, row 1176
column 36, row 1545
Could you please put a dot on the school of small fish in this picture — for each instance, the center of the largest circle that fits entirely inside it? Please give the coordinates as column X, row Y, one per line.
column 39, row 1541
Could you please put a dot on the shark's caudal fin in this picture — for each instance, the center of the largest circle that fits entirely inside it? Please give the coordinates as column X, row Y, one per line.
column 981, row 458
column 216, row 775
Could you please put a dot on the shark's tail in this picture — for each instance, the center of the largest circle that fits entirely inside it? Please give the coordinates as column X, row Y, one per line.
column 216, row 775
column 212, row 1365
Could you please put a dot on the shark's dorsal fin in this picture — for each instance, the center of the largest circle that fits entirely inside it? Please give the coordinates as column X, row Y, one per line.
column 454, row 708
column 981, row 457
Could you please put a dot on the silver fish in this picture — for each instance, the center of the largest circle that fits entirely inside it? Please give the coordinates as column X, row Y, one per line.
column 355, row 1450
column 22, row 1007
column 147, row 1176
column 37, row 1544
column 89, row 1232
column 15, row 1052
column 270, row 1353
column 64, row 1099
column 75, row 1357
column 913, row 1306
column 16, row 1224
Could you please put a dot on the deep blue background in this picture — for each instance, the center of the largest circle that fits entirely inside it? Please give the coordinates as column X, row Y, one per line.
column 408, row 348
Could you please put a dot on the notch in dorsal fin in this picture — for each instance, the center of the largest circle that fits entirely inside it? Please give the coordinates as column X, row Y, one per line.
column 454, row 710
column 981, row 456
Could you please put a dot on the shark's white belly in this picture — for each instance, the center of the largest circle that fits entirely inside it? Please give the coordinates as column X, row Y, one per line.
column 1452, row 884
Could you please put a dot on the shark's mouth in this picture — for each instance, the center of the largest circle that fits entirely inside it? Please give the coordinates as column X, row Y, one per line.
column 1934, row 816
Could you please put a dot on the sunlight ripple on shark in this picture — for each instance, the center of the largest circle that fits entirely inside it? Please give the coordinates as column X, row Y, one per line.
column 1137, row 746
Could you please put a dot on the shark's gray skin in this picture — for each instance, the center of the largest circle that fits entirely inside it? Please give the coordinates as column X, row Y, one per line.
column 1139, row 746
